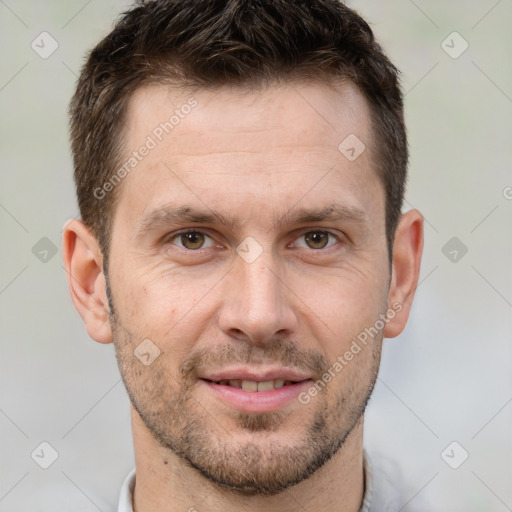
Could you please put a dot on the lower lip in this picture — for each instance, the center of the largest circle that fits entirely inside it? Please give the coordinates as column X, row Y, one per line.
column 257, row 401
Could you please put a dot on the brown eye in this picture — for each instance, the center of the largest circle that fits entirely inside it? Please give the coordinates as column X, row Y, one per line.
column 192, row 240
column 317, row 239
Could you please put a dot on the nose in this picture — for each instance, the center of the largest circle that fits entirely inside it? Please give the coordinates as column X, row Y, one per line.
column 257, row 303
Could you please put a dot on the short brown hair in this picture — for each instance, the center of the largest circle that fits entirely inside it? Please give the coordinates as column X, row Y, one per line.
column 210, row 43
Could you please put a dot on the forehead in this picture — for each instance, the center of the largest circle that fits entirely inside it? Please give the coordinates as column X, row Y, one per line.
column 230, row 147
column 293, row 111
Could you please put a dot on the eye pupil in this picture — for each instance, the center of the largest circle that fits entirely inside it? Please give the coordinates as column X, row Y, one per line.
column 317, row 239
column 192, row 240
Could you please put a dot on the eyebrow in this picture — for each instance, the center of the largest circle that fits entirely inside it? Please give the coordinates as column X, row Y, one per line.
column 168, row 215
column 331, row 213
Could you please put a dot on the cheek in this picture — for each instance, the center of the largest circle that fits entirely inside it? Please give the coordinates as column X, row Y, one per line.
column 343, row 307
column 171, row 310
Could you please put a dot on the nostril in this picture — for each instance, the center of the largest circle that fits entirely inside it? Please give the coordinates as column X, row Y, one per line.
column 238, row 334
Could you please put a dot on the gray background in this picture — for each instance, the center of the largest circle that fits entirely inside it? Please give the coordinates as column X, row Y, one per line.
column 447, row 378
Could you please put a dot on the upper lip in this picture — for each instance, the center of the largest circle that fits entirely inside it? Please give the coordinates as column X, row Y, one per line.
column 258, row 375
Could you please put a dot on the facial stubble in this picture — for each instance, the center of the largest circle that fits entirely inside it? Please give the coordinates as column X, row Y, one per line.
column 265, row 465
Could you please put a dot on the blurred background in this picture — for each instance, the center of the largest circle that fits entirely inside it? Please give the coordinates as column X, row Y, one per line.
column 442, row 407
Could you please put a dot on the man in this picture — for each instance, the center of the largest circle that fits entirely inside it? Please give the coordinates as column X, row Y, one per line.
column 240, row 169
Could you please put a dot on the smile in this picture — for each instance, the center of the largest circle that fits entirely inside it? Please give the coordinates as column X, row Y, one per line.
column 252, row 385
column 252, row 396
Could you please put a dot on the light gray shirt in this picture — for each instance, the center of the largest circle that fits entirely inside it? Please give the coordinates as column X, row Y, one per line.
column 380, row 494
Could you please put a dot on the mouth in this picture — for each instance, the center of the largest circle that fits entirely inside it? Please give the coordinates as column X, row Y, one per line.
column 253, row 385
column 256, row 391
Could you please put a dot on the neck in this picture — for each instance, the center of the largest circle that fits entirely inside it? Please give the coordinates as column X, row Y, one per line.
column 167, row 483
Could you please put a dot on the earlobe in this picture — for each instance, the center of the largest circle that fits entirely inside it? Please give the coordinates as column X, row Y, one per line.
column 83, row 262
column 407, row 251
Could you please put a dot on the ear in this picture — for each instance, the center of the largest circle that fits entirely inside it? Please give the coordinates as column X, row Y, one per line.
column 84, row 268
column 407, row 251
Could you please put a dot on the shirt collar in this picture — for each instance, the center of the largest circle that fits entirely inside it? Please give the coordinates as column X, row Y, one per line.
column 126, row 496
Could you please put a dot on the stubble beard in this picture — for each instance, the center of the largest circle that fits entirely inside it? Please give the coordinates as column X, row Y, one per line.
column 265, row 465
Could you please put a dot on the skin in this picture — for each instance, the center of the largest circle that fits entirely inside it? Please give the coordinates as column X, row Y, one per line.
column 255, row 158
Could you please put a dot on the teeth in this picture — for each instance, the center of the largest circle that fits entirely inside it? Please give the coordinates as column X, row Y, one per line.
column 249, row 385
column 266, row 386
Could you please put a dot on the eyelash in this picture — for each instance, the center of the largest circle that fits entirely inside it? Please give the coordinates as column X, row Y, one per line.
column 169, row 239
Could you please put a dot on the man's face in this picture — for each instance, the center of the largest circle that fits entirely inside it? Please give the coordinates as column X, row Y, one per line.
column 248, row 248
